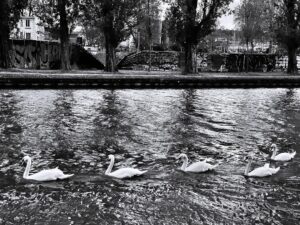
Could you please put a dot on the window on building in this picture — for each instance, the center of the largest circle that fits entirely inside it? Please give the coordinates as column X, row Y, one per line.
column 21, row 23
column 27, row 23
column 28, row 36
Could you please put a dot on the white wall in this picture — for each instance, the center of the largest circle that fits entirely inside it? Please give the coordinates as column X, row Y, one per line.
column 36, row 32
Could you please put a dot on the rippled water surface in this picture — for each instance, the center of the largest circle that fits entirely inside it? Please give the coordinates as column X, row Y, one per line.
column 77, row 130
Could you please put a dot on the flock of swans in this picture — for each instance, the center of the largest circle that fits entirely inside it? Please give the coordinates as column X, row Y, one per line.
column 197, row 167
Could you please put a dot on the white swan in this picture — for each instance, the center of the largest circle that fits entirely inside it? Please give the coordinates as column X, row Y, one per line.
column 286, row 156
column 123, row 172
column 196, row 167
column 44, row 175
column 263, row 171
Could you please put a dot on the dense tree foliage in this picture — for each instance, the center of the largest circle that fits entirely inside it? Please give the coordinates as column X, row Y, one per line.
column 147, row 11
column 10, row 11
column 287, row 29
column 192, row 20
column 248, row 16
column 114, row 18
column 255, row 21
column 49, row 14
column 93, row 35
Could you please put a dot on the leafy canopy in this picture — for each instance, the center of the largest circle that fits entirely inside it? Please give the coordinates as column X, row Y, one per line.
column 113, row 17
column 192, row 20
column 48, row 13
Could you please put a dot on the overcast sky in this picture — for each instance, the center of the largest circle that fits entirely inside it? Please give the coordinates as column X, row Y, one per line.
column 227, row 20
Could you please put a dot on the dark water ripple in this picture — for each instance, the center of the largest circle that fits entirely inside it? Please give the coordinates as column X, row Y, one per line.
column 77, row 130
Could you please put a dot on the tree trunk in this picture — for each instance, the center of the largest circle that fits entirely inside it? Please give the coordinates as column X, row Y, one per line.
column 292, row 61
column 4, row 34
column 190, row 15
column 110, row 55
column 252, row 47
column 189, row 65
column 64, row 36
column 149, row 30
column 270, row 47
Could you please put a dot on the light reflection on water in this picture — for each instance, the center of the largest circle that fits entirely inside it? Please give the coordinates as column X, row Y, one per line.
column 77, row 129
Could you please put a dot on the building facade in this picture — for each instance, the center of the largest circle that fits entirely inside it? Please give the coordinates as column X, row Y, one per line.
column 28, row 28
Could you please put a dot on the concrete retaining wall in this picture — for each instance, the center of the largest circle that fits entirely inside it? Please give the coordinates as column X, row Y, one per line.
column 159, row 59
column 31, row 54
column 250, row 62
column 241, row 62
column 210, row 62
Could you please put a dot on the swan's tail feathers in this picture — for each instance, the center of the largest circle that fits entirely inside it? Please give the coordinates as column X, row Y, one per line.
column 142, row 172
column 293, row 154
column 214, row 166
column 65, row 176
column 267, row 165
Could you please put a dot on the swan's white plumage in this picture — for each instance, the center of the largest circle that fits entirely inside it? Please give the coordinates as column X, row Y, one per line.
column 123, row 172
column 44, row 175
column 197, row 167
column 263, row 171
column 286, row 156
column 126, row 173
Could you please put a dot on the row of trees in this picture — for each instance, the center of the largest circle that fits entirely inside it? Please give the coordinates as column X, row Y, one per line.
column 273, row 20
column 115, row 20
column 188, row 22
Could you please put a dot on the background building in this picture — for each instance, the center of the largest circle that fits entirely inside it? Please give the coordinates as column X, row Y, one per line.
column 28, row 28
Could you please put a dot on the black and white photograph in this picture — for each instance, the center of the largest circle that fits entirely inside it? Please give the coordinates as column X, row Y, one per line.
column 149, row 112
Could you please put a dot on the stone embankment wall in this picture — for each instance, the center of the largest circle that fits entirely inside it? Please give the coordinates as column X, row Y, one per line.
column 205, row 62
column 30, row 54
column 241, row 62
column 159, row 60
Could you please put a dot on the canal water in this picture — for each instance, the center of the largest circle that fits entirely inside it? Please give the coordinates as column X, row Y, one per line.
column 77, row 130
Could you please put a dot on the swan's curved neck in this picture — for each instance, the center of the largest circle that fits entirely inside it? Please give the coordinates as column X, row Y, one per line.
column 26, row 172
column 112, row 161
column 185, row 162
column 247, row 169
column 274, row 152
